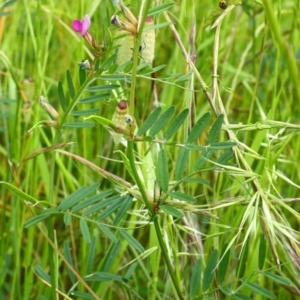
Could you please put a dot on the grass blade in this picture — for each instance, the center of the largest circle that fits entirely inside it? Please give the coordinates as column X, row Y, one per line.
column 162, row 170
column 223, row 264
column 262, row 251
column 160, row 8
column 195, row 278
column 209, row 270
column 68, row 257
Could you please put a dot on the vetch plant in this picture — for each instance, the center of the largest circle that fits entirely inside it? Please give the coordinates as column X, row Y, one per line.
column 154, row 186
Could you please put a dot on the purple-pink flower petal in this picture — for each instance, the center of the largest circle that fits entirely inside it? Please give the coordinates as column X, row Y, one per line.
column 86, row 23
column 76, row 25
column 82, row 26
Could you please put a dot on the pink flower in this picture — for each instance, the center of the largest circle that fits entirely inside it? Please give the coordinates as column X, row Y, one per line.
column 82, row 26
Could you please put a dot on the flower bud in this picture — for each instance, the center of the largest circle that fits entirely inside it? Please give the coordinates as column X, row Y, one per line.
column 50, row 110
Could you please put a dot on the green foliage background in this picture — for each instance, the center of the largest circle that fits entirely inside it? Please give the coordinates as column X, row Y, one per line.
column 238, row 240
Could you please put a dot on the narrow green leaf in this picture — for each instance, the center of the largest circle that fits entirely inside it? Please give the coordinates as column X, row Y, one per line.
column 159, row 8
column 82, row 76
column 125, row 205
column 111, row 256
column 124, row 65
column 197, row 180
column 111, row 208
column 77, row 196
column 181, row 196
column 132, row 241
column 198, row 128
column 223, row 264
column 96, row 207
column 61, row 96
column 162, row 170
column 103, row 88
column 172, row 211
column 7, row 3
column 79, row 125
column 91, row 256
column 222, row 145
column 67, row 219
column 103, row 276
column 19, row 193
column 225, row 157
column 107, row 232
column 215, row 130
column 195, row 278
column 126, row 163
column 68, row 256
column 162, row 121
column 106, row 64
column 277, row 278
column 157, row 26
column 131, row 270
column 181, row 162
column 95, row 98
column 85, row 230
column 70, row 84
column 41, row 273
column 176, row 123
column 82, row 295
column 240, row 296
column 209, row 270
column 242, row 261
column 84, row 112
column 259, row 289
column 202, row 159
column 149, row 121
column 50, row 212
column 149, row 70
column 116, row 77
column 91, row 200
column 262, row 251
column 183, row 78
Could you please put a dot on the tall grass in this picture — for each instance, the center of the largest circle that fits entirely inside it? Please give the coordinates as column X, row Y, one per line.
column 204, row 207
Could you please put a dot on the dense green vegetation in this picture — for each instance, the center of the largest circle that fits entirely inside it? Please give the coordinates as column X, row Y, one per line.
column 200, row 200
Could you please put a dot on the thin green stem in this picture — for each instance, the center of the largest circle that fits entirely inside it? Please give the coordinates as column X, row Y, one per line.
column 163, row 247
column 136, row 54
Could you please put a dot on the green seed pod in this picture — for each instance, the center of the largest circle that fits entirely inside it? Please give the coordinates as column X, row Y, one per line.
column 148, row 42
